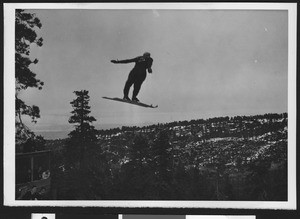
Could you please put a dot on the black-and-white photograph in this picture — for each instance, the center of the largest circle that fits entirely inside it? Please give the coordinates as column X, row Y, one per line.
column 151, row 102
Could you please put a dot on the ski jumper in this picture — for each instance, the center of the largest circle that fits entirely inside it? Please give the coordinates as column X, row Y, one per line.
column 137, row 75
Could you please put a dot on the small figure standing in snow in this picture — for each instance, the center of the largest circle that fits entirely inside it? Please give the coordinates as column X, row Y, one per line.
column 137, row 75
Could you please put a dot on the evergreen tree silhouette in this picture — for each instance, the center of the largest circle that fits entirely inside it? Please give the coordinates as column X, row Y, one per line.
column 25, row 37
column 84, row 132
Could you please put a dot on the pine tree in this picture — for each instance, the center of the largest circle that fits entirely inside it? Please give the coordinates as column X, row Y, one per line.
column 84, row 133
column 25, row 37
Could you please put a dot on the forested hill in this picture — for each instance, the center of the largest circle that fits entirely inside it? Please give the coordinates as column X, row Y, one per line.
column 199, row 143
column 238, row 158
column 239, row 126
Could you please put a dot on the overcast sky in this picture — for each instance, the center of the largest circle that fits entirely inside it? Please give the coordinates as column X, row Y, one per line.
column 207, row 63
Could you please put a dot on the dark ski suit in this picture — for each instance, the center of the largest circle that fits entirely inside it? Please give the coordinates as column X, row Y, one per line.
column 137, row 75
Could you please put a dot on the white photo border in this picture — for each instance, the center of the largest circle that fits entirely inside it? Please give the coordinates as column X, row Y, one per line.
column 9, row 106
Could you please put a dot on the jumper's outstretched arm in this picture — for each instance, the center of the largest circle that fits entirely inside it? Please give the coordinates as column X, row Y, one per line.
column 123, row 61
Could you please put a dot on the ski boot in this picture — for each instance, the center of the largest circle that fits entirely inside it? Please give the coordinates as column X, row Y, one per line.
column 126, row 98
column 134, row 99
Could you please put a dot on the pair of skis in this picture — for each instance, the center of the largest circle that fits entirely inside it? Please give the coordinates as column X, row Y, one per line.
column 131, row 102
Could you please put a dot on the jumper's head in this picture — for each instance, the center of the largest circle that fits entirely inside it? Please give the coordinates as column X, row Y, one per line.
column 146, row 54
